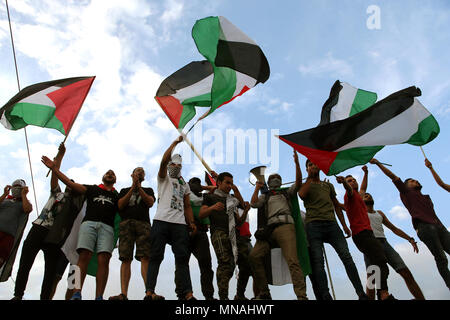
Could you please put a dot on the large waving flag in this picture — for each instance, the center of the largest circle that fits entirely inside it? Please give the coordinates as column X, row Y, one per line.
column 53, row 104
column 235, row 64
column 339, row 145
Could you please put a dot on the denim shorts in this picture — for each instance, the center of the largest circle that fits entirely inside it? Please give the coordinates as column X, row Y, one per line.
column 393, row 258
column 96, row 236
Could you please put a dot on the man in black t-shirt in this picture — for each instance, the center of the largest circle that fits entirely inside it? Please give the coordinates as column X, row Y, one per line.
column 134, row 205
column 97, row 229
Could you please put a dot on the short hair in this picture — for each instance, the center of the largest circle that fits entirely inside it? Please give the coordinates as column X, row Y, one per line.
column 349, row 175
column 306, row 163
column 407, row 180
column 138, row 168
column 195, row 180
column 222, row 176
column 273, row 175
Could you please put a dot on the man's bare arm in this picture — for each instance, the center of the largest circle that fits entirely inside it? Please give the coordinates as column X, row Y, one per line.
column 166, row 158
column 78, row 188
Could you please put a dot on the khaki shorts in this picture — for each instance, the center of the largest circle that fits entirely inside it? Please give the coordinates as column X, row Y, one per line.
column 133, row 231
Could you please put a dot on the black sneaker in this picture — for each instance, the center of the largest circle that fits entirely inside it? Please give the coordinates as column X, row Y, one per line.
column 363, row 297
column 264, row 296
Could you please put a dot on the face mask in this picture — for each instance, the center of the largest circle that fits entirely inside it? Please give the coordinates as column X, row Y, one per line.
column 174, row 172
column 16, row 192
column 274, row 183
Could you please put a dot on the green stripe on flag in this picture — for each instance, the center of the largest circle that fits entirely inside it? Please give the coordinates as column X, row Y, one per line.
column 186, row 116
column 363, row 100
column 224, row 86
column 352, row 157
column 23, row 114
column 428, row 130
column 206, row 36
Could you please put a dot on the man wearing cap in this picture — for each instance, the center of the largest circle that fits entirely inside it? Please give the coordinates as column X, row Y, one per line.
column 11, row 208
column 170, row 226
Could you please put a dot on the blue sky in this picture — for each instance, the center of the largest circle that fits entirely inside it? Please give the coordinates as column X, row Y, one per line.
column 132, row 46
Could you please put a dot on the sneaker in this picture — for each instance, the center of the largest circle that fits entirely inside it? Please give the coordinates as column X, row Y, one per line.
column 264, row 296
column 76, row 296
column 363, row 297
column 390, row 297
column 99, row 298
column 240, row 298
column 120, row 297
column 16, row 298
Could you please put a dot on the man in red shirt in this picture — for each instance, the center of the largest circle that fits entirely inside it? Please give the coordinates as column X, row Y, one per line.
column 362, row 233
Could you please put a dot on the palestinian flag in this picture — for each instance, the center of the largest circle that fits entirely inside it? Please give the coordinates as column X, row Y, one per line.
column 345, row 101
column 277, row 271
column 339, row 145
column 53, row 104
column 235, row 64
column 209, row 180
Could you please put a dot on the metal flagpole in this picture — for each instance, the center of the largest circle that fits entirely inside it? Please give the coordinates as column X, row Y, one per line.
column 329, row 273
column 18, row 85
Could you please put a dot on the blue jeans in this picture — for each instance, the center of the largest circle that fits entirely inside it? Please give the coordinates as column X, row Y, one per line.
column 177, row 236
column 318, row 233
column 437, row 239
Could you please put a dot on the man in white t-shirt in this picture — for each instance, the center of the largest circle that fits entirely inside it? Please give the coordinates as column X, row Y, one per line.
column 170, row 226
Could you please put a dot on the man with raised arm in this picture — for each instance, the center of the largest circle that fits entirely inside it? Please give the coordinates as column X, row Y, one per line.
column 280, row 222
column 436, row 177
column 425, row 221
column 319, row 199
column 170, row 226
column 59, row 203
column 362, row 233
column 134, row 205
column 377, row 220
column 97, row 229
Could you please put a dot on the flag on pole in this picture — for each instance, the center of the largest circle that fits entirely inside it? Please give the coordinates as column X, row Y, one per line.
column 53, row 104
column 339, row 145
column 209, row 180
column 235, row 64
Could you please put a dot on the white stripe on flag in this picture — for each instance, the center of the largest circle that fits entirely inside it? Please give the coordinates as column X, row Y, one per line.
column 41, row 97
column 197, row 89
column 243, row 80
column 231, row 33
column 395, row 131
column 345, row 101
column 280, row 270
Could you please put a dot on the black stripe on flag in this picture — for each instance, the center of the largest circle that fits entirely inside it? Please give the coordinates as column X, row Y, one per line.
column 35, row 88
column 244, row 57
column 334, row 135
column 330, row 103
column 188, row 75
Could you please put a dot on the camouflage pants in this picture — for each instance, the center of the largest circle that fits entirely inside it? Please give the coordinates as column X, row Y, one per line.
column 225, row 260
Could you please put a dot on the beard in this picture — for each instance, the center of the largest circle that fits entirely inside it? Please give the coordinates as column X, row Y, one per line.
column 369, row 202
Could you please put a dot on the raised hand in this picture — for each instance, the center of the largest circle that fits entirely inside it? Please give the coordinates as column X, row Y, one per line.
column 340, row 179
column 24, row 191
column 47, row 162
column 62, row 148
column 428, row 164
column 374, row 161
column 6, row 190
column 364, row 168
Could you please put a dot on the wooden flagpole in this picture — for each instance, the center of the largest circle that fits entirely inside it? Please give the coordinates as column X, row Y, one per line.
column 180, row 131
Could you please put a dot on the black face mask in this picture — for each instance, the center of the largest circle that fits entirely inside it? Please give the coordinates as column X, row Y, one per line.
column 369, row 202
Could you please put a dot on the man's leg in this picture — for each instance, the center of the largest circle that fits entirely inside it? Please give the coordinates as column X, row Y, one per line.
column 101, row 277
column 52, row 255
column 244, row 266
column 180, row 247
column 429, row 235
column 142, row 240
column 337, row 240
column 256, row 257
column 201, row 251
column 284, row 235
column 159, row 237
column 83, row 262
column 314, row 232
column 225, row 261
column 125, row 275
column 30, row 249
column 366, row 242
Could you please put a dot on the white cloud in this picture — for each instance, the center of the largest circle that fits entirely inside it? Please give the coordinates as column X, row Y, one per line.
column 399, row 212
column 329, row 66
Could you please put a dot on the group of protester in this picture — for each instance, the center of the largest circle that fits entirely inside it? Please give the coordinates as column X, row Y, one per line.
column 187, row 211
